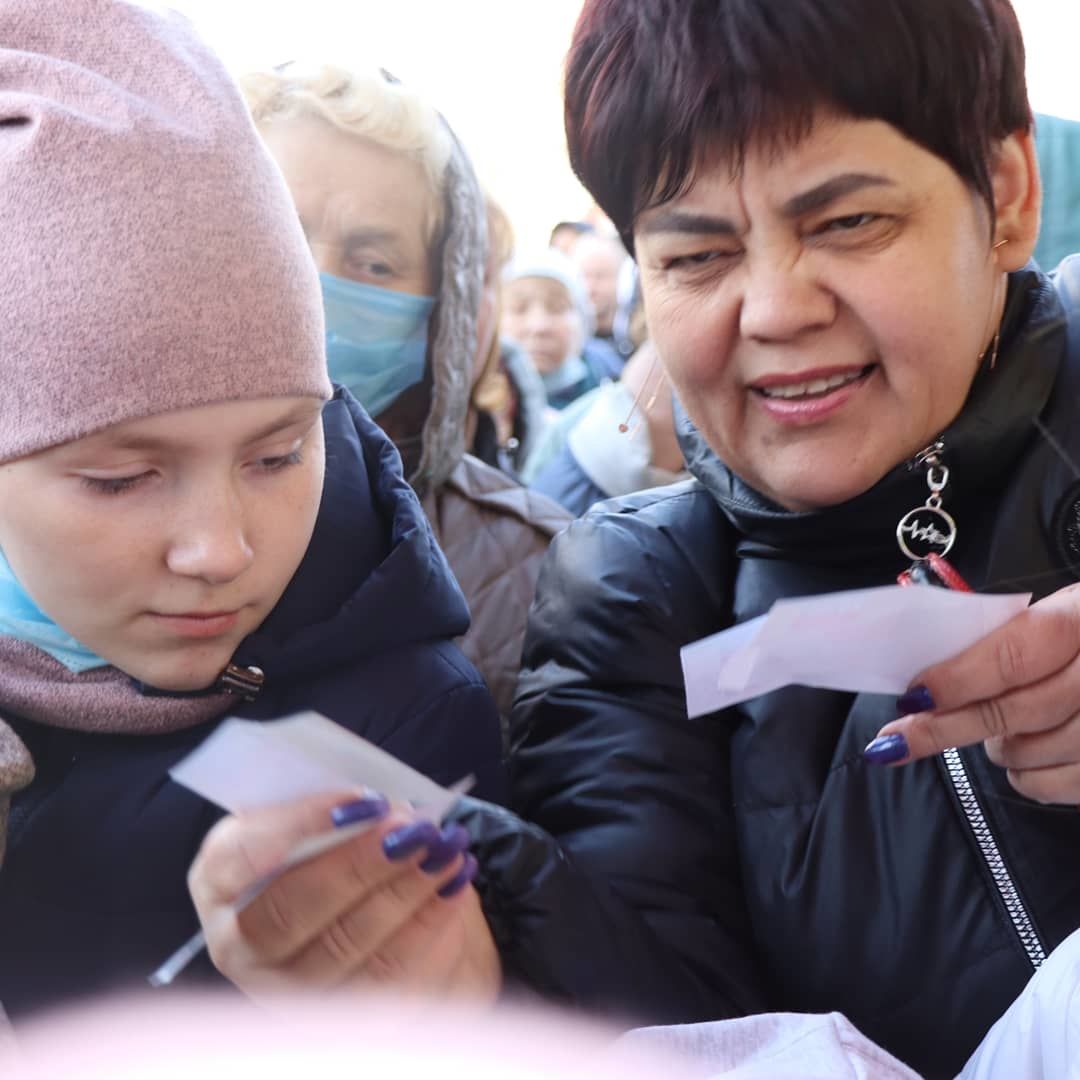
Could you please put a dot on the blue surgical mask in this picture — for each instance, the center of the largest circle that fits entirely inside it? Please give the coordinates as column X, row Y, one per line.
column 376, row 340
column 22, row 619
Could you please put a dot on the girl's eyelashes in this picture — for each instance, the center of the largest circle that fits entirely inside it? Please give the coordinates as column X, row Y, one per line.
column 119, row 485
column 283, row 461
column 112, row 485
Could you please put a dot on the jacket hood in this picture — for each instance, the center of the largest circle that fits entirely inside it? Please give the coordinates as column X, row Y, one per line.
column 996, row 422
column 452, row 333
column 373, row 578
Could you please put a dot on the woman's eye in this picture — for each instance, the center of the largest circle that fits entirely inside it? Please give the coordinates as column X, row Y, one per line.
column 370, row 268
column 698, row 259
column 113, row 485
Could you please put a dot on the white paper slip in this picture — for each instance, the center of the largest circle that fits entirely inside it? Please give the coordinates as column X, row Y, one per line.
column 864, row 640
column 246, row 764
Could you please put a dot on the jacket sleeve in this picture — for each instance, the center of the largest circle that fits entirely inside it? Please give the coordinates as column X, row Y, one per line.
column 620, row 890
column 455, row 734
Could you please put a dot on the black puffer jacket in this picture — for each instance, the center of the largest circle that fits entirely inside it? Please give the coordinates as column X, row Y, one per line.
column 750, row 861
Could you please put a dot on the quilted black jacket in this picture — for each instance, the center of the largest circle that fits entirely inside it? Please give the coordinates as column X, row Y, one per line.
column 680, row 870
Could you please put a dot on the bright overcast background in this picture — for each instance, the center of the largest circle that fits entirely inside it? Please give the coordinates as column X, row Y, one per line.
column 493, row 67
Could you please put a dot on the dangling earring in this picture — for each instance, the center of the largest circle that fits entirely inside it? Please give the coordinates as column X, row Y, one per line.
column 624, row 427
column 994, row 348
column 995, row 344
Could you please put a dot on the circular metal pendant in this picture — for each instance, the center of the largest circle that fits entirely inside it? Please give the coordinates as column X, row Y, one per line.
column 929, row 530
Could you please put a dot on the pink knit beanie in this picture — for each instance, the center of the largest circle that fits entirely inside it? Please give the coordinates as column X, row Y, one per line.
column 150, row 255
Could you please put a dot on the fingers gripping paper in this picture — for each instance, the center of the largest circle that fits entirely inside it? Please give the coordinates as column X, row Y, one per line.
column 245, row 765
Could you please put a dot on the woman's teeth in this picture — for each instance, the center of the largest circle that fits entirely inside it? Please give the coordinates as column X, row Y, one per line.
column 813, row 387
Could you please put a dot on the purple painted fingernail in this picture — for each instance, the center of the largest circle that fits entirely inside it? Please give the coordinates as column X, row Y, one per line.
column 369, row 808
column 917, row 699
column 886, row 750
column 407, row 840
column 452, row 842
column 461, row 879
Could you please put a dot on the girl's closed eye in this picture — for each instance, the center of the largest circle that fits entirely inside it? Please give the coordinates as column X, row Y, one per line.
column 279, row 462
column 113, row 485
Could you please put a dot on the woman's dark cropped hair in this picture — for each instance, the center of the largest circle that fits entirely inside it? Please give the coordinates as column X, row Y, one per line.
column 650, row 82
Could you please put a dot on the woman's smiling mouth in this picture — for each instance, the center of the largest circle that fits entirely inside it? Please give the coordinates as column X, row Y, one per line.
column 806, row 397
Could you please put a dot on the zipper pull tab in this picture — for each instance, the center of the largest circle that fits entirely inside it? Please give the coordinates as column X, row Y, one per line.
column 244, row 682
column 930, row 455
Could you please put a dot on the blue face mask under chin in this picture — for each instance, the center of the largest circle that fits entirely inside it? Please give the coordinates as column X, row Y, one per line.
column 376, row 340
column 23, row 620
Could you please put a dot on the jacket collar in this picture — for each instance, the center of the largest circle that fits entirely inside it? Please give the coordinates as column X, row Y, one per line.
column 992, row 429
column 373, row 578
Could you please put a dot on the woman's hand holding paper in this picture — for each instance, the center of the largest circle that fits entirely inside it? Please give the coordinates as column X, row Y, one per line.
column 1017, row 691
column 391, row 906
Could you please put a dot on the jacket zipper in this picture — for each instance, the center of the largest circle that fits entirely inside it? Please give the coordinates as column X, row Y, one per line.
column 995, row 863
column 930, row 458
column 930, row 455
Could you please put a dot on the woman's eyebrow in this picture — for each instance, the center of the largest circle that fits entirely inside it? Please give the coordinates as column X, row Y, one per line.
column 817, row 198
column 370, row 235
column 687, row 221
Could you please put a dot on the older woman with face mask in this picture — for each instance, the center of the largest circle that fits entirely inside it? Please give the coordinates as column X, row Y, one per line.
column 396, row 224
column 192, row 521
column 833, row 213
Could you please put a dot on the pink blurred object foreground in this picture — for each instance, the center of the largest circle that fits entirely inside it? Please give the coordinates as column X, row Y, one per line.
column 214, row 1038
column 225, row 1038
column 222, row 1037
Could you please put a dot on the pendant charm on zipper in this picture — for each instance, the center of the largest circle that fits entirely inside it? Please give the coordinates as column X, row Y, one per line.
column 928, row 529
column 927, row 533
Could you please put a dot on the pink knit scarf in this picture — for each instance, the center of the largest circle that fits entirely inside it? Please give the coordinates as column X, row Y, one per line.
column 34, row 686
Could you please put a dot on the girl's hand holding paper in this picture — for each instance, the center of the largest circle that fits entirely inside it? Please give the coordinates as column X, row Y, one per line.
column 393, row 904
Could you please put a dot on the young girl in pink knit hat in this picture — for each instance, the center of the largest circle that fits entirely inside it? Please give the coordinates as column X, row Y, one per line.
column 192, row 521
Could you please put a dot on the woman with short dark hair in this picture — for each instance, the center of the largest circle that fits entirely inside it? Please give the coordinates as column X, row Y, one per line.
column 833, row 206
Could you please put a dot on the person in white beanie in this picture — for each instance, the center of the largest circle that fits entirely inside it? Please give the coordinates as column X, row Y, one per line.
column 548, row 312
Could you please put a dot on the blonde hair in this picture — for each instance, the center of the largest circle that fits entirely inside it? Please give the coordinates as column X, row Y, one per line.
column 362, row 103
